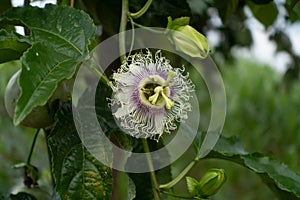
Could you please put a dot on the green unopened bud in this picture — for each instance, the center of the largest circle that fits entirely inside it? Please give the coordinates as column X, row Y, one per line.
column 211, row 182
column 186, row 39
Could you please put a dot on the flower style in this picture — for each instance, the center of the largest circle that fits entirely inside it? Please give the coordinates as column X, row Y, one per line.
column 150, row 96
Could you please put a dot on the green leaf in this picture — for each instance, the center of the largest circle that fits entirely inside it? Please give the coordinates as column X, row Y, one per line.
column 226, row 9
column 282, row 181
column 77, row 174
column 60, row 38
column 12, row 46
column 230, row 146
column 266, row 14
column 5, row 5
column 293, row 9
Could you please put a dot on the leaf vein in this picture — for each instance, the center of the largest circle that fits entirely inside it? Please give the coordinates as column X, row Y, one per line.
column 59, row 36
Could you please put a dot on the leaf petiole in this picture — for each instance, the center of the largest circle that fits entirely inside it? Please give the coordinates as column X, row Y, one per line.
column 176, row 195
column 180, row 176
column 148, row 28
column 99, row 74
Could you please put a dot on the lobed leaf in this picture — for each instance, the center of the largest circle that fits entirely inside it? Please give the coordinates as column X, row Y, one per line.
column 282, row 181
column 60, row 38
column 77, row 174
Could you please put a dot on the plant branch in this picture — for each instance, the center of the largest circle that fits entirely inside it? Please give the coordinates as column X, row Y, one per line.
column 179, row 177
column 142, row 11
column 26, row 30
column 72, row 3
column 47, row 132
column 32, row 146
column 151, row 169
column 100, row 74
column 122, row 29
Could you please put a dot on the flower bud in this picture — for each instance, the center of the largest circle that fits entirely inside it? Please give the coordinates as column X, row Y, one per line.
column 211, row 182
column 187, row 39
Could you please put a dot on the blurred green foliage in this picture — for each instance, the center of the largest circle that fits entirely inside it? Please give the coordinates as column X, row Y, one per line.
column 262, row 111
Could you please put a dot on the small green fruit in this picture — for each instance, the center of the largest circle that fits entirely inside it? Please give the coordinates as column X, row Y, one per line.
column 40, row 116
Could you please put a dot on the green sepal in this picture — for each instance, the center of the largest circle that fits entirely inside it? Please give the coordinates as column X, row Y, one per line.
column 192, row 185
column 178, row 22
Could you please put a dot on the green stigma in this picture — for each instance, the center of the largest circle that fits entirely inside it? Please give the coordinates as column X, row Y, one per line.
column 162, row 92
column 159, row 91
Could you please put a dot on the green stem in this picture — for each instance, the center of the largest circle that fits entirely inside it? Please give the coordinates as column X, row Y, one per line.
column 176, row 195
column 123, row 24
column 142, row 11
column 72, row 3
column 148, row 28
column 132, row 37
column 26, row 30
column 47, row 133
column 179, row 177
column 151, row 169
column 100, row 75
column 32, row 146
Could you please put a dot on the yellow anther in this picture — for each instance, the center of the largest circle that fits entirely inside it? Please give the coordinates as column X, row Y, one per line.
column 169, row 102
column 160, row 91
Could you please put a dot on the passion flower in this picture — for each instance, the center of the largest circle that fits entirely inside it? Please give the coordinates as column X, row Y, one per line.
column 150, row 96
